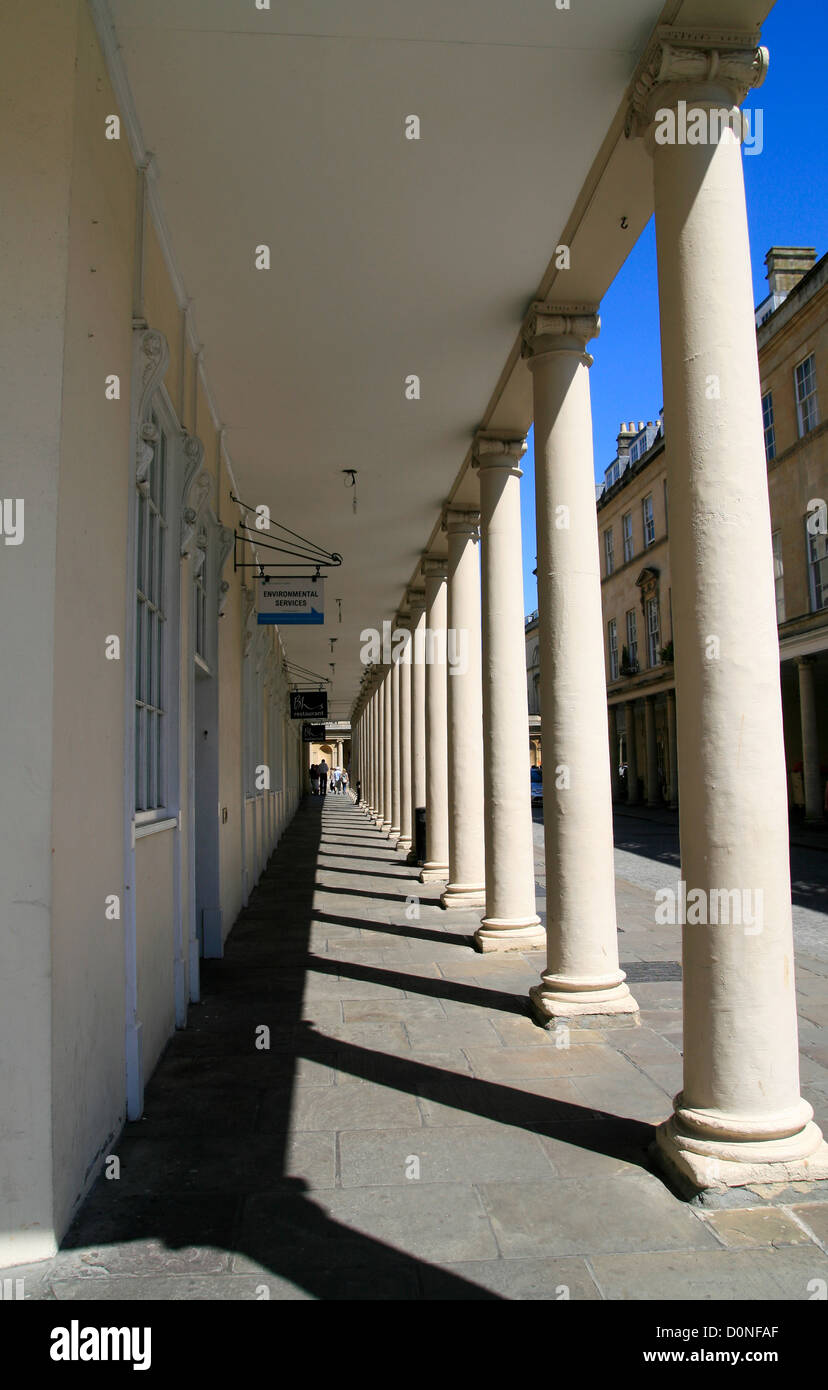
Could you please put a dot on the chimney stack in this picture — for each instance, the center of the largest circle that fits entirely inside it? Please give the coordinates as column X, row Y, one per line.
column 786, row 266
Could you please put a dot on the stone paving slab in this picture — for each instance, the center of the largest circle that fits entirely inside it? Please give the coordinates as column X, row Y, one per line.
column 409, row 1132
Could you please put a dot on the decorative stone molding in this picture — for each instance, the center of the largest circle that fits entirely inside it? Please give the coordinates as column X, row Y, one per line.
column 415, row 598
column 648, row 583
column 249, row 624
column 559, row 328
column 200, row 552
column 225, row 545
column 150, row 361
column 435, row 567
column 459, row 521
column 496, row 451
column 725, row 61
column 195, row 487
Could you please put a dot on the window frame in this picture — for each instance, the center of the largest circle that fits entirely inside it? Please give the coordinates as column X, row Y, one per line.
column 612, row 649
column 632, row 636
column 768, row 427
column 805, row 427
column 609, row 550
column 653, row 633
column 154, row 681
column 817, row 581
column 648, row 520
column 778, row 575
column 627, row 535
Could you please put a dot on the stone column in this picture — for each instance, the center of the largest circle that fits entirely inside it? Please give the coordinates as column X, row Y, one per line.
column 416, row 603
column 632, row 756
column 404, row 842
column 615, row 779
column 582, row 976
column 739, row 1117
column 380, row 786
column 467, row 872
column 436, row 725
column 394, row 682
column 673, row 748
column 511, row 922
column 372, row 752
column 810, row 739
column 387, row 748
column 653, row 798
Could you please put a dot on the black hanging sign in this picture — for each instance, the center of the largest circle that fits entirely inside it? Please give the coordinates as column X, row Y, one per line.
column 313, row 733
column 308, row 704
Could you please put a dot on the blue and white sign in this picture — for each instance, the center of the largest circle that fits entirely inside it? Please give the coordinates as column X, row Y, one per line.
column 286, row 601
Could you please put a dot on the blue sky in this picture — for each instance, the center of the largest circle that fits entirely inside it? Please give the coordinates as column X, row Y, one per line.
column 787, row 205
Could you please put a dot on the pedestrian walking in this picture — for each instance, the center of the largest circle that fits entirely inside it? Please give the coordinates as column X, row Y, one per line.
column 314, row 779
column 323, row 778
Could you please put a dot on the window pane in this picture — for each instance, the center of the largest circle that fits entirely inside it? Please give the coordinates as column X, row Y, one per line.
column 139, row 650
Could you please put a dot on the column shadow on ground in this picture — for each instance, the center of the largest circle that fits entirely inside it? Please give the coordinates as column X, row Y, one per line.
column 210, row 1171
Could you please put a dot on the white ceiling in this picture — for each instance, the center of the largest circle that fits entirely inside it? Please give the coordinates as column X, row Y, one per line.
column 389, row 256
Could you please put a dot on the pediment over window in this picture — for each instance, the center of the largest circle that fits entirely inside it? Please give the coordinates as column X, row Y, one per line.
column 647, row 582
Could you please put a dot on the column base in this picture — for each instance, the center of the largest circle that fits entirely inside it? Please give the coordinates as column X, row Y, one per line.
column 557, row 1000
column 394, row 832
column 700, row 1162
column 384, row 826
column 433, row 872
column 404, row 843
column 464, row 895
column 510, row 934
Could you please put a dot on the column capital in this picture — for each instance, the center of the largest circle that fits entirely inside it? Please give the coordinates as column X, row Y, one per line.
column 490, row 450
column 806, row 660
column 550, row 327
column 705, row 65
column 460, row 521
column 434, row 566
column 415, row 598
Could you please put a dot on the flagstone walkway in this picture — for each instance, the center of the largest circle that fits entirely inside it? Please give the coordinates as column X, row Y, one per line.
column 361, row 1108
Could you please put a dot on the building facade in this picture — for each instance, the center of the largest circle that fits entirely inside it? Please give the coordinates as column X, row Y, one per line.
column 637, row 583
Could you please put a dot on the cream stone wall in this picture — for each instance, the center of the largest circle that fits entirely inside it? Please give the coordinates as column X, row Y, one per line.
column 90, row 605
column 68, row 278
column 37, row 116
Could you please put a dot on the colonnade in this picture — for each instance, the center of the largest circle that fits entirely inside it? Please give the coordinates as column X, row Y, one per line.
column 739, row 1117
column 652, row 785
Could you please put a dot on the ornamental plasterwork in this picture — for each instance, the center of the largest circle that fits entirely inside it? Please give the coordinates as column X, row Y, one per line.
column 648, row 582
column 492, row 451
column 723, row 58
column 226, row 539
column 548, row 320
column 151, row 357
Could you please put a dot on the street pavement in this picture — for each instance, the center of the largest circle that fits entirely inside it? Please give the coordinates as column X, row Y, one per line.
column 362, row 1108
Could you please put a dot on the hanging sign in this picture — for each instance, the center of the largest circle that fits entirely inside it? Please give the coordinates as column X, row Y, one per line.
column 309, row 704
column 285, row 601
column 313, row 733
